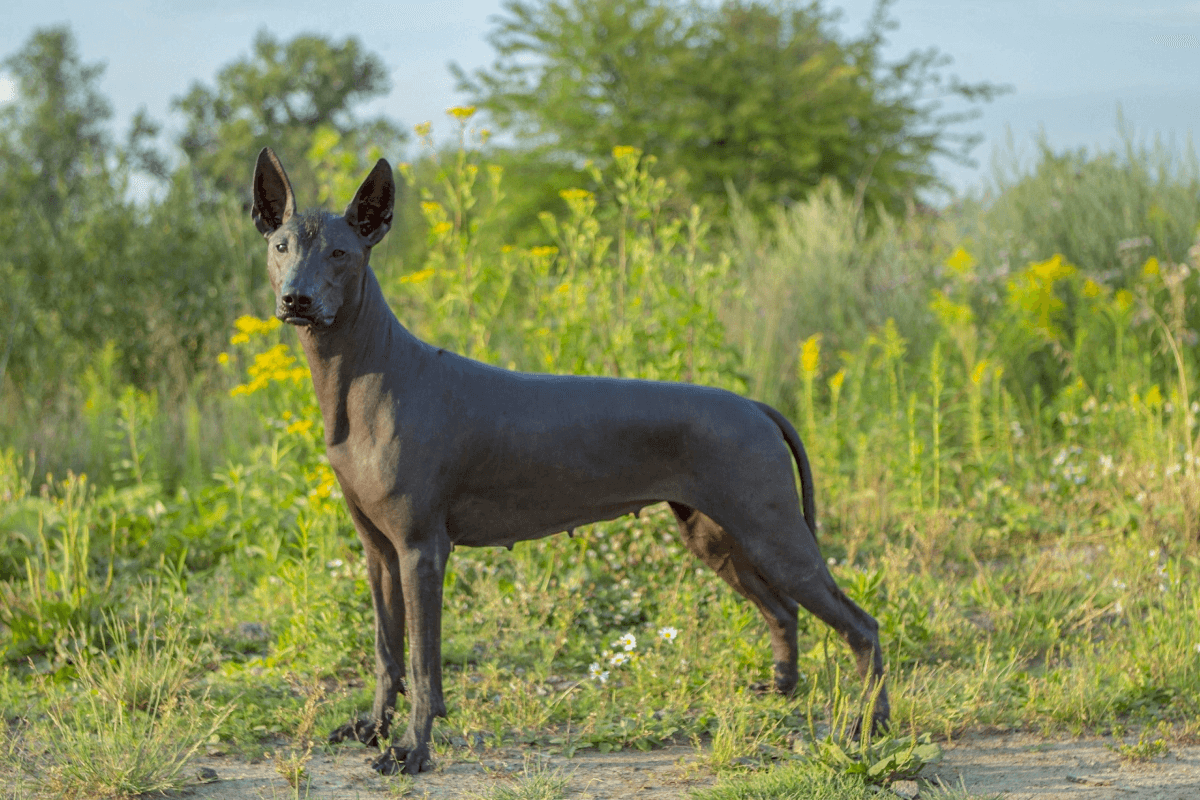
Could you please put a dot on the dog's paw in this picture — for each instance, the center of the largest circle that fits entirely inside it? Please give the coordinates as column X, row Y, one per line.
column 786, row 678
column 397, row 760
column 363, row 729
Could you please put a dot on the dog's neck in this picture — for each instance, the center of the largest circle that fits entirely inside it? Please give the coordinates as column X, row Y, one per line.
column 365, row 339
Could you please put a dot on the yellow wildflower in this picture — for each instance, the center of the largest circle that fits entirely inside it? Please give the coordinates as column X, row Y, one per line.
column 1052, row 269
column 544, row 251
column 951, row 314
column 325, row 480
column 442, row 228
column 417, row 277
column 1154, row 397
column 423, row 129
column 623, row 151
column 461, row 113
column 300, row 426
column 223, row 358
column 1123, row 299
column 810, row 354
column 575, row 194
column 979, row 371
column 1032, row 291
column 251, row 324
column 835, row 383
column 1092, row 289
column 960, row 261
column 1150, row 268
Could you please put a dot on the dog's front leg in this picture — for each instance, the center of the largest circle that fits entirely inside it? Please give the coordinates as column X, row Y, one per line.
column 383, row 574
column 422, row 570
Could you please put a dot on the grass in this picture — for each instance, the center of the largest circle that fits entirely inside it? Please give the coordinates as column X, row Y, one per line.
column 1148, row 748
column 790, row 782
column 1006, row 482
column 536, row 782
column 130, row 726
column 292, row 762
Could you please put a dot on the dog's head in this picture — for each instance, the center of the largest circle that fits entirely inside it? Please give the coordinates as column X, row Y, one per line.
column 316, row 259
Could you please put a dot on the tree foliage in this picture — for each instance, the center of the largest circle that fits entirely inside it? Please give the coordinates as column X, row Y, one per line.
column 764, row 97
column 282, row 95
column 53, row 135
column 82, row 266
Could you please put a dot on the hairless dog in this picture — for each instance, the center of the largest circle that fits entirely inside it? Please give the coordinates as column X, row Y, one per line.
column 434, row 450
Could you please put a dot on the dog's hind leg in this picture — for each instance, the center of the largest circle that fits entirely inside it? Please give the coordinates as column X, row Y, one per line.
column 383, row 574
column 716, row 548
column 789, row 560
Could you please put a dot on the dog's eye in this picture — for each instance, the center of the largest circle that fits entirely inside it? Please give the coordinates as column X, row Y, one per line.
column 338, row 253
column 281, row 247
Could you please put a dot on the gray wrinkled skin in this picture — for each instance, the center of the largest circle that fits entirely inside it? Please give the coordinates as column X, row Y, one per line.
column 434, row 450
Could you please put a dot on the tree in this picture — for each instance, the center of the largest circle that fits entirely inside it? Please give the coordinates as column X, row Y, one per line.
column 763, row 97
column 54, row 153
column 282, row 96
column 54, row 133
column 80, row 263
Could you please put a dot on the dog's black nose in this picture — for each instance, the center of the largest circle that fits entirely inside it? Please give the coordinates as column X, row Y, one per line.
column 296, row 303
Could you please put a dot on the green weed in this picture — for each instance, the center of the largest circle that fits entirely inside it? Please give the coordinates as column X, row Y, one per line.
column 291, row 765
column 1146, row 749
column 536, row 782
column 128, row 727
column 795, row 781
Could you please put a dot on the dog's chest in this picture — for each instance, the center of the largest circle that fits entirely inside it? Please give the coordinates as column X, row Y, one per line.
column 366, row 461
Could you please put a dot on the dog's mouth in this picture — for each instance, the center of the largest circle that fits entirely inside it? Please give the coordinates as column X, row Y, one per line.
column 309, row 318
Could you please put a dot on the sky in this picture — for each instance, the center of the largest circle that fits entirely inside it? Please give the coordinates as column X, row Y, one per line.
column 1071, row 64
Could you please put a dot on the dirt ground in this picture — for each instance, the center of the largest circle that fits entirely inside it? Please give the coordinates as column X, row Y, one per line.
column 1018, row 766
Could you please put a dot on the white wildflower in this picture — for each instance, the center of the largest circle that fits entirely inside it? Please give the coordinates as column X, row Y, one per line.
column 598, row 674
column 668, row 633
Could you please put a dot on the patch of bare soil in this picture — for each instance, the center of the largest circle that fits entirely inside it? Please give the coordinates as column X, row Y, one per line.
column 1028, row 767
column 1016, row 766
column 662, row 774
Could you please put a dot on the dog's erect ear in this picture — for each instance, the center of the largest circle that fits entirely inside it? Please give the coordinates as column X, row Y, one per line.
column 274, row 202
column 370, row 212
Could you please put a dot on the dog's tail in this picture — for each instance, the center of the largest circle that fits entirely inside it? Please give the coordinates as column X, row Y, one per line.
column 797, row 447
